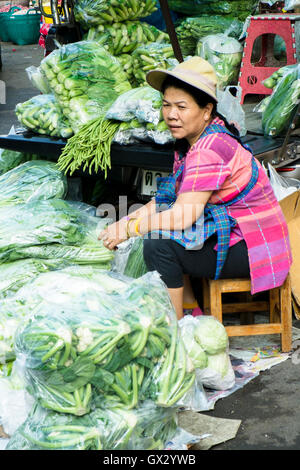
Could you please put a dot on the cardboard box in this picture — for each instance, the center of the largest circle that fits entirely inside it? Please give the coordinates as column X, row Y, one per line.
column 291, row 208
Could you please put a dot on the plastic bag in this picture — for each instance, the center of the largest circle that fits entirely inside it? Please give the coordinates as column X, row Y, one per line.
column 207, row 345
column 116, row 339
column 291, row 4
column 32, row 181
column 85, row 80
column 39, row 223
column 94, row 12
column 124, row 38
column 43, row 115
column 152, row 55
column 282, row 187
column 230, row 107
column 142, row 103
column 281, row 107
column 145, row 428
column 190, row 30
column 135, row 266
column 38, row 79
column 224, row 53
column 236, row 8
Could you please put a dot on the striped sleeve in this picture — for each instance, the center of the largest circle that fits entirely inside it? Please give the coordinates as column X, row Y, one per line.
column 204, row 171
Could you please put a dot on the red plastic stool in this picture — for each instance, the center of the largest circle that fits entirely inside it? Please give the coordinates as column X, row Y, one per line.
column 267, row 26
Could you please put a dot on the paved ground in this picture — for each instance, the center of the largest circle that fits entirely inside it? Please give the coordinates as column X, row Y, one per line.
column 267, row 406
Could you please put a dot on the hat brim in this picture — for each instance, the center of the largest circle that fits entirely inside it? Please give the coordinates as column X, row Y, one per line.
column 155, row 79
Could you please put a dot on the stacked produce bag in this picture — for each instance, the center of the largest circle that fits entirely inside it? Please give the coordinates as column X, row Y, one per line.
column 233, row 8
column 279, row 108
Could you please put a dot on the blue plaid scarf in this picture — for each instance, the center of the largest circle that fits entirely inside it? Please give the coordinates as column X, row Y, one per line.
column 216, row 219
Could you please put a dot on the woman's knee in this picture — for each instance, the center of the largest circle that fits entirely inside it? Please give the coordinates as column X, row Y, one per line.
column 157, row 249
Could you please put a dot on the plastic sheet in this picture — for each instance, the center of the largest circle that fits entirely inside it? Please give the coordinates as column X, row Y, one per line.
column 32, row 181
column 229, row 106
column 42, row 114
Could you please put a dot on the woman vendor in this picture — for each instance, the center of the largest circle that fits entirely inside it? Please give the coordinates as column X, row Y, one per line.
column 216, row 216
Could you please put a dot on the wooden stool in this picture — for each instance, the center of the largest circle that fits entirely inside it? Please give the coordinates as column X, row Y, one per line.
column 279, row 307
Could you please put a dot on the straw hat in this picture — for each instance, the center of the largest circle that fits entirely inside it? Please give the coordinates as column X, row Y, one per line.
column 194, row 71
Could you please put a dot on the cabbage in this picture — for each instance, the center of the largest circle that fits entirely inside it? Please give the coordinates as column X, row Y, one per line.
column 220, row 363
column 211, row 335
column 219, row 374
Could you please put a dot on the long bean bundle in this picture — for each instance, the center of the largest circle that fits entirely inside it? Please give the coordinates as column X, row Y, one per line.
column 89, row 148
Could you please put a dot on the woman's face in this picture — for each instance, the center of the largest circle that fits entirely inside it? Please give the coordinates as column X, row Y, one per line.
column 183, row 115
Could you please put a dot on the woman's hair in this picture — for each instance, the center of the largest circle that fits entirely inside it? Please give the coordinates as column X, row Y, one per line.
column 201, row 98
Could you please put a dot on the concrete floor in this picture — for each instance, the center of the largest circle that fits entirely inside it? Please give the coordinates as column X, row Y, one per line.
column 268, row 406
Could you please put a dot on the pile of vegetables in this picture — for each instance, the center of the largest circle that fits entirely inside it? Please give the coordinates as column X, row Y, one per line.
column 125, row 37
column 103, row 346
column 237, row 9
column 148, row 427
column 224, row 53
column 278, row 109
column 206, row 342
column 32, row 181
column 85, row 80
column 94, row 12
column 192, row 29
column 42, row 114
column 89, row 148
column 10, row 159
column 152, row 55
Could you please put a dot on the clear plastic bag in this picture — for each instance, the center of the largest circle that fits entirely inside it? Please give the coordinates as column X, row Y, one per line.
column 38, row 79
column 43, row 115
column 230, row 107
column 282, row 187
column 152, row 55
column 125, row 37
column 148, row 427
column 32, row 181
column 224, row 53
column 291, row 4
column 282, row 105
column 41, row 222
column 94, row 12
column 142, row 103
column 113, row 339
column 207, row 345
column 85, row 80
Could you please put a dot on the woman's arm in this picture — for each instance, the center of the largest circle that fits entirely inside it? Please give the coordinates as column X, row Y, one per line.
column 187, row 209
column 117, row 232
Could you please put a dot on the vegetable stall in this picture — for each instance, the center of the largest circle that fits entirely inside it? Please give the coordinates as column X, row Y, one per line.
column 88, row 337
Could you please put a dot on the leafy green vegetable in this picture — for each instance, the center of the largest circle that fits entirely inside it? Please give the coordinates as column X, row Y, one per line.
column 211, row 335
column 32, row 181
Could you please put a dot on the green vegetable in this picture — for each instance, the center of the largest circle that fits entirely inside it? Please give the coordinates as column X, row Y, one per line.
column 191, row 30
column 32, row 181
column 211, row 335
column 135, row 266
column 281, row 107
column 43, row 115
column 150, row 56
column 89, row 149
column 85, row 80
column 124, row 38
column 10, row 159
column 237, row 9
column 224, row 54
column 88, row 12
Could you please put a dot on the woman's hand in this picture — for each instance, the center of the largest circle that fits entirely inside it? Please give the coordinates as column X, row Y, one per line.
column 114, row 234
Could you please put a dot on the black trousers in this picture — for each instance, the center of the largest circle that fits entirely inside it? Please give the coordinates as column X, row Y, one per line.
column 172, row 260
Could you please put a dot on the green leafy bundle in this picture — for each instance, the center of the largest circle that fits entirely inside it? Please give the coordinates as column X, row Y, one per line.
column 85, row 80
column 43, row 115
column 102, row 341
column 94, row 12
column 32, row 181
